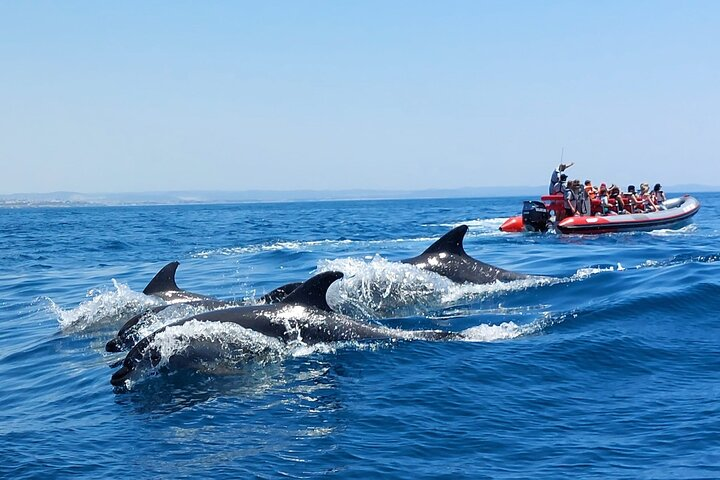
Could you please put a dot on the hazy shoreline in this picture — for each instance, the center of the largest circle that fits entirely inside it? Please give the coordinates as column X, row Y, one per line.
column 76, row 199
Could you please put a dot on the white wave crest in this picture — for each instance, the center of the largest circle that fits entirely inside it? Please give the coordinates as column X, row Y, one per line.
column 380, row 288
column 152, row 322
column 270, row 247
column 504, row 331
column 222, row 348
column 103, row 308
column 306, row 245
column 584, row 273
column 480, row 225
column 669, row 232
column 219, row 339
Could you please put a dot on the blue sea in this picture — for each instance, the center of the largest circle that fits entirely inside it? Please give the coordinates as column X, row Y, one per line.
column 604, row 364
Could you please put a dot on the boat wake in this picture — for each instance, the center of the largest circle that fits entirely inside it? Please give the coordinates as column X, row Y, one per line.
column 478, row 227
column 327, row 245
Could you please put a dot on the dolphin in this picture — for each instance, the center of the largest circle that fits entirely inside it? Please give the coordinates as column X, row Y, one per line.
column 447, row 257
column 163, row 285
column 304, row 316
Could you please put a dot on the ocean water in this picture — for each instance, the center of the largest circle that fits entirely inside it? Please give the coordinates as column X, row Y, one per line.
column 604, row 365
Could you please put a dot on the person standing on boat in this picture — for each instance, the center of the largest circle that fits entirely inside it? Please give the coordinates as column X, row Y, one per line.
column 559, row 187
column 555, row 177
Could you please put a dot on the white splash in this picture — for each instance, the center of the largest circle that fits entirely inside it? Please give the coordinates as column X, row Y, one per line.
column 152, row 322
column 270, row 247
column 103, row 308
column 380, row 288
column 669, row 232
column 307, row 246
column 482, row 226
column 584, row 273
column 229, row 340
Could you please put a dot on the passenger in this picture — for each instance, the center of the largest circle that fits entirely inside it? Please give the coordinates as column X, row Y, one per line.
column 605, row 206
column 591, row 191
column 587, row 195
column 559, row 187
column 584, row 204
column 615, row 195
column 636, row 203
column 659, row 196
column 571, row 198
column 555, row 177
column 648, row 202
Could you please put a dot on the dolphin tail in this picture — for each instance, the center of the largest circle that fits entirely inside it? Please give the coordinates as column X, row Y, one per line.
column 164, row 280
column 312, row 293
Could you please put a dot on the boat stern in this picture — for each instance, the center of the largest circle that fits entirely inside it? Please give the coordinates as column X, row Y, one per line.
column 513, row 225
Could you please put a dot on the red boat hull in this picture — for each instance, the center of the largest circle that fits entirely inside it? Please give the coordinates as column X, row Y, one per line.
column 678, row 212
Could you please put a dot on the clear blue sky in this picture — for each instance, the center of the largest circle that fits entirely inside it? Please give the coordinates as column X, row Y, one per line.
column 154, row 96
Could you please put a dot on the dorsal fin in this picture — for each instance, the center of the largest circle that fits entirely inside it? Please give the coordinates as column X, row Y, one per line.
column 451, row 242
column 164, row 280
column 312, row 292
column 279, row 293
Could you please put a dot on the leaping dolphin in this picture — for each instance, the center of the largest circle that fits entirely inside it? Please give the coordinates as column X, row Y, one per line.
column 448, row 258
column 163, row 285
column 304, row 315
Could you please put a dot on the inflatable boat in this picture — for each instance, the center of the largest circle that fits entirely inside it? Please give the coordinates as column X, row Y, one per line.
column 550, row 214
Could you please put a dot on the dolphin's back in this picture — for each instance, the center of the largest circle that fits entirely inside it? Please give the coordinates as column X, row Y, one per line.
column 447, row 257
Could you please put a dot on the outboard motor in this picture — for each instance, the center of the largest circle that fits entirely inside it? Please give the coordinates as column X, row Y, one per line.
column 535, row 216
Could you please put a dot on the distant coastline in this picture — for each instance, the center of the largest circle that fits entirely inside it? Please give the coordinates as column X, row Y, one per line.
column 74, row 199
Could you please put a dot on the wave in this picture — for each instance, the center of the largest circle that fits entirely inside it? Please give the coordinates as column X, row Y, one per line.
column 669, row 232
column 219, row 348
column 380, row 288
column 103, row 309
column 483, row 227
column 223, row 348
column 302, row 246
column 503, row 331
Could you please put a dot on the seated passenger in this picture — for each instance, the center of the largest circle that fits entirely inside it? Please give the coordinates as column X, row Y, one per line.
column 659, row 196
column 615, row 195
column 591, row 191
column 648, row 202
column 571, row 198
column 605, row 205
column 636, row 203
